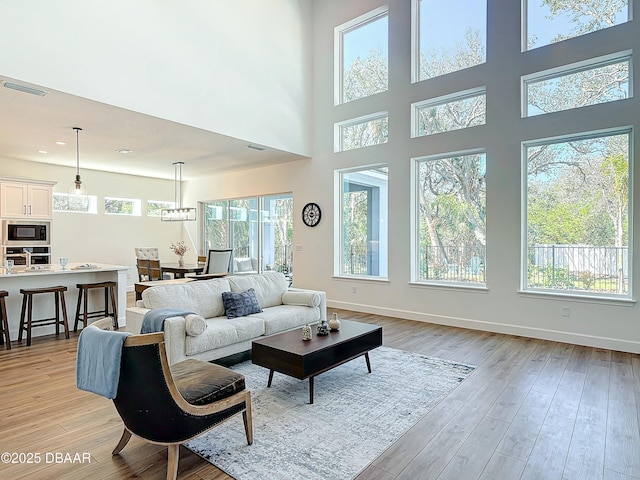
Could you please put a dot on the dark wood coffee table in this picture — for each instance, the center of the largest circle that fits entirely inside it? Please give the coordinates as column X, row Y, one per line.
column 287, row 353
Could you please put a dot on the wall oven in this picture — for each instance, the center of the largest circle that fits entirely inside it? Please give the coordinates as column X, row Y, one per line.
column 25, row 233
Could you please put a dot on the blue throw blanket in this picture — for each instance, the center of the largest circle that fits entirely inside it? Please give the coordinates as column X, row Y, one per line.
column 98, row 361
column 153, row 320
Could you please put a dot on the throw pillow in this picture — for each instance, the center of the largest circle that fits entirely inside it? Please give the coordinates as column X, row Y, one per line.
column 240, row 304
column 194, row 325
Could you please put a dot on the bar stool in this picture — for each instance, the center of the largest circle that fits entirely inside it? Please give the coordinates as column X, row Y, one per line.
column 4, row 323
column 83, row 296
column 27, row 305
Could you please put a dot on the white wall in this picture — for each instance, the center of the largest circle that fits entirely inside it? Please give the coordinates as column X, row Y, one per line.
column 104, row 238
column 240, row 68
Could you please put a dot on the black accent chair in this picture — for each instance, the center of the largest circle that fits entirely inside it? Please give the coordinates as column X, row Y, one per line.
column 171, row 405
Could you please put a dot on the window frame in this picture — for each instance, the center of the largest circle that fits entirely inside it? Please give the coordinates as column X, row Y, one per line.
column 338, row 145
column 415, row 221
column 443, row 100
column 524, row 288
column 570, row 69
column 338, row 50
column 339, row 223
column 137, row 206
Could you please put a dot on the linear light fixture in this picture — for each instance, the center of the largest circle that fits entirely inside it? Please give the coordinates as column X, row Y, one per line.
column 179, row 213
column 24, row 88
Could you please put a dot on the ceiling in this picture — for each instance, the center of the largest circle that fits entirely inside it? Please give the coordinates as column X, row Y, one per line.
column 29, row 123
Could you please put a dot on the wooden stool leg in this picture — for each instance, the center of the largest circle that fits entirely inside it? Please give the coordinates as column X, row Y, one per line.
column 57, row 301
column 64, row 316
column 5, row 324
column 114, row 306
column 85, row 318
column 106, row 301
column 78, row 304
column 24, row 306
column 29, row 318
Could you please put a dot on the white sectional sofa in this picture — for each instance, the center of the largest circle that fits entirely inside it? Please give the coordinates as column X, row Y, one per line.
column 283, row 308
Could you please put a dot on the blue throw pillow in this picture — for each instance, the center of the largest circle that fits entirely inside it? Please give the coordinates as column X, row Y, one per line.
column 240, row 304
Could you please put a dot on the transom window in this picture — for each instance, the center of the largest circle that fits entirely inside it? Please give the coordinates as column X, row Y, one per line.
column 599, row 80
column 361, row 56
column 362, row 132
column 452, row 112
column 65, row 202
column 154, row 207
column 577, row 215
column 122, row 206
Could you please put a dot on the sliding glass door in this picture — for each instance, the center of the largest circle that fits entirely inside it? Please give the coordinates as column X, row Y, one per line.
column 259, row 229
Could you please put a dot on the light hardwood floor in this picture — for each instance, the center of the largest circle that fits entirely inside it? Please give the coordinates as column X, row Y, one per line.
column 531, row 410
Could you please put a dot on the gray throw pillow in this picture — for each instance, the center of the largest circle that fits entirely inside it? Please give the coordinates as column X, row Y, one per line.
column 240, row 304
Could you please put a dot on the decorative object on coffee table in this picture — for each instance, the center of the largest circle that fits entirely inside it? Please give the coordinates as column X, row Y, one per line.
column 323, row 328
column 307, row 333
column 179, row 248
column 334, row 323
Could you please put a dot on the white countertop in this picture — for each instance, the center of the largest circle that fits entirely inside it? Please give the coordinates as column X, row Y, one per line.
column 72, row 268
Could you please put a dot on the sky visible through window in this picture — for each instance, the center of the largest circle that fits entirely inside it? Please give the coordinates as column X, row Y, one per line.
column 362, row 40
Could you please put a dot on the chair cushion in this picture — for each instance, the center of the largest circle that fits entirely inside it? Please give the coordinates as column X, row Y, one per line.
column 202, row 383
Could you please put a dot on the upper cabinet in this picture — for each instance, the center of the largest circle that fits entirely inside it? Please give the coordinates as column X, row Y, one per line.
column 26, row 200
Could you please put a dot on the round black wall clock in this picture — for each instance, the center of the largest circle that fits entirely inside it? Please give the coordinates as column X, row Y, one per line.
column 311, row 214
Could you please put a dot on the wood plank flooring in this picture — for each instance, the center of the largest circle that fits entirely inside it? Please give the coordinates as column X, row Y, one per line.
column 532, row 409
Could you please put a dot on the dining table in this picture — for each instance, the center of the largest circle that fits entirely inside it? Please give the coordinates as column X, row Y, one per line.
column 179, row 271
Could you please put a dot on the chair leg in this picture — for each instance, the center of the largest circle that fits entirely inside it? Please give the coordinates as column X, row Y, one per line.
column 248, row 424
column 126, row 436
column 172, row 462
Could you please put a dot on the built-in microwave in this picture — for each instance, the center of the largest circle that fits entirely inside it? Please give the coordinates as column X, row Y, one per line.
column 17, row 232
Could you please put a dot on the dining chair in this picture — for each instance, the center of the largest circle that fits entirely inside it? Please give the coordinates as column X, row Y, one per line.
column 218, row 261
column 148, row 264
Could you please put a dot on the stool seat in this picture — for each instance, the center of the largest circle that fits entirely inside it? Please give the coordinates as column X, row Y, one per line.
column 26, row 324
column 82, row 308
column 4, row 323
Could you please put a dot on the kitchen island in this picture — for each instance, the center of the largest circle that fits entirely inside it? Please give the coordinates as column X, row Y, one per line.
column 51, row 275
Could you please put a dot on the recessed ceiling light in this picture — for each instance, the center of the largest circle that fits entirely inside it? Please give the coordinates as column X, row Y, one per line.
column 256, row 147
column 24, row 88
column 61, row 143
column 124, row 150
column 42, row 151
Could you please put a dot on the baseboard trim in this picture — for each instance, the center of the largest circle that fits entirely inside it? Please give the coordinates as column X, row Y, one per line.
column 532, row 332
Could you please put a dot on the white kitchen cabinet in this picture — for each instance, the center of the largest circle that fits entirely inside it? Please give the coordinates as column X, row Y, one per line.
column 26, row 200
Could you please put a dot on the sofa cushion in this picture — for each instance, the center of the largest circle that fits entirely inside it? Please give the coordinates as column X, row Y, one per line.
column 269, row 287
column 240, row 304
column 285, row 317
column 221, row 332
column 203, row 297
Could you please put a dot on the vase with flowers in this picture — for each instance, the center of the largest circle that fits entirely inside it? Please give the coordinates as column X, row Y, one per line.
column 179, row 248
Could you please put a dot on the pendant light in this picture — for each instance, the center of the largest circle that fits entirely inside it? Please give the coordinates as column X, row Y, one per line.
column 78, row 188
column 178, row 213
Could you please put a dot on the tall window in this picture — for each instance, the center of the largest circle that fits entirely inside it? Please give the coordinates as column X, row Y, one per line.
column 259, row 229
column 599, row 80
column 448, row 36
column 549, row 21
column 451, row 218
column 363, row 222
column 361, row 56
column 577, row 215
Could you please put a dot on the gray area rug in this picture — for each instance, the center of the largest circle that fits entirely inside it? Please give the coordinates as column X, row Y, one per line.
column 354, row 418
